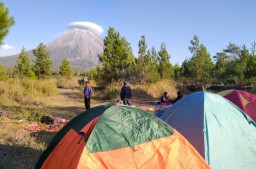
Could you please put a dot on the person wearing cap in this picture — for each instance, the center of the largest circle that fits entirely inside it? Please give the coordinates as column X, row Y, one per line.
column 126, row 94
column 87, row 95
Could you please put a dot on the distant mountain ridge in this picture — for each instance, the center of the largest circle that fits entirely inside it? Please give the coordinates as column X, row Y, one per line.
column 80, row 46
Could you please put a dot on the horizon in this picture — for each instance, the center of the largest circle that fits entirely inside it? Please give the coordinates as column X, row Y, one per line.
column 175, row 23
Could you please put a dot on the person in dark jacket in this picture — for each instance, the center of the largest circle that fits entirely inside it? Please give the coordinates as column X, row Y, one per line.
column 179, row 96
column 87, row 95
column 126, row 94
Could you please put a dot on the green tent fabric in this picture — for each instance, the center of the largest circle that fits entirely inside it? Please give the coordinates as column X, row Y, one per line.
column 119, row 126
column 128, row 126
column 221, row 132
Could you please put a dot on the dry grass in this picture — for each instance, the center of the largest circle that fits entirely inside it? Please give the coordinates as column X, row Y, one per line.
column 157, row 90
column 28, row 100
column 16, row 92
column 152, row 90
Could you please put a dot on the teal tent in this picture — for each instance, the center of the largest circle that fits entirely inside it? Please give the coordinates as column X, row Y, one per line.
column 221, row 132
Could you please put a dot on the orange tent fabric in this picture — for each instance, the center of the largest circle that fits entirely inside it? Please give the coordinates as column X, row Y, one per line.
column 120, row 137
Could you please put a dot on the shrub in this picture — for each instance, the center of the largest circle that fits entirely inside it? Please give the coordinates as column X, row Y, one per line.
column 66, row 82
column 111, row 92
column 23, row 91
column 3, row 74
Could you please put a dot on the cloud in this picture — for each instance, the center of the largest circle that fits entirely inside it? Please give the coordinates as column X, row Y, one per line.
column 88, row 26
column 6, row 47
column 7, row 50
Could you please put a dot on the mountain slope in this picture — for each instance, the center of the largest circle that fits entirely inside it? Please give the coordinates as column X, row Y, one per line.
column 80, row 46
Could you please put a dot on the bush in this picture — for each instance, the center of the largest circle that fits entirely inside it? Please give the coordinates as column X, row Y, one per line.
column 22, row 91
column 66, row 82
column 3, row 74
column 111, row 92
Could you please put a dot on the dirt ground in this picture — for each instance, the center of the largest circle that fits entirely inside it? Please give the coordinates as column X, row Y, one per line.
column 21, row 149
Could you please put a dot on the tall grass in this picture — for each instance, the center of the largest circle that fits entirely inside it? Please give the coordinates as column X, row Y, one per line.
column 155, row 90
column 20, row 91
column 66, row 82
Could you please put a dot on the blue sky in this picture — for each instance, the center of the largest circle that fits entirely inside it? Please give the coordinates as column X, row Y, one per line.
column 175, row 22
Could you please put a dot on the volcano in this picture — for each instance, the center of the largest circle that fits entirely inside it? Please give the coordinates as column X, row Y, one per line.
column 80, row 46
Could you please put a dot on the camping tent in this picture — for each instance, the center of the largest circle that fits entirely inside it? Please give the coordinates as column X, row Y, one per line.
column 244, row 100
column 116, row 136
column 221, row 132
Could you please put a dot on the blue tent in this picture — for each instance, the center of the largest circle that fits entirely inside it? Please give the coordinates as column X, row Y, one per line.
column 221, row 132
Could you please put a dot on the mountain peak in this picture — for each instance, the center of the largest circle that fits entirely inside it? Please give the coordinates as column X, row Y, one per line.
column 80, row 46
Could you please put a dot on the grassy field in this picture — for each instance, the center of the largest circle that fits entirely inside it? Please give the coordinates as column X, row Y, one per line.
column 26, row 101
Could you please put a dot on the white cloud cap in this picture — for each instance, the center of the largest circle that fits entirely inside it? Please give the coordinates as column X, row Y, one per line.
column 6, row 47
column 87, row 25
column 7, row 50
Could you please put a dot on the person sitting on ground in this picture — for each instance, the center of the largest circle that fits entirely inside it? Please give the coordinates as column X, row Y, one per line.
column 164, row 98
column 179, row 96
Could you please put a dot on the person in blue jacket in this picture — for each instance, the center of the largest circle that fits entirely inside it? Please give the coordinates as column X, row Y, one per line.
column 87, row 95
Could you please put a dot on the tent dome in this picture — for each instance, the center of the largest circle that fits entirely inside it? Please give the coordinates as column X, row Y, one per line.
column 244, row 100
column 115, row 136
column 222, row 133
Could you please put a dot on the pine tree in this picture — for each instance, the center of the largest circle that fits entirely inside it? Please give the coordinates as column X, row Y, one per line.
column 143, row 60
column 165, row 67
column 5, row 22
column 23, row 67
column 65, row 69
column 117, row 58
column 42, row 64
column 200, row 65
column 176, row 70
column 222, row 61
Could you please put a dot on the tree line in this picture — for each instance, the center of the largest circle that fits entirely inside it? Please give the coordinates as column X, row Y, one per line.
column 40, row 68
column 233, row 66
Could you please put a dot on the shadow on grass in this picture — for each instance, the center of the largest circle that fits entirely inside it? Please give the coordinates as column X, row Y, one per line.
column 18, row 157
column 74, row 96
column 140, row 94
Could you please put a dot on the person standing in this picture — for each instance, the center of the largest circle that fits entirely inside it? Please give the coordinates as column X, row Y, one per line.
column 87, row 95
column 126, row 94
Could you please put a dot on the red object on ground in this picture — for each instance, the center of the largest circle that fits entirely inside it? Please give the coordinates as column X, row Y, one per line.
column 55, row 127
column 166, row 103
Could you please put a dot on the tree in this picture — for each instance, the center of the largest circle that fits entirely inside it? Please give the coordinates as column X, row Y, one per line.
column 201, row 65
column 42, row 64
column 143, row 60
column 3, row 73
column 146, row 67
column 65, row 69
column 117, row 58
column 5, row 22
column 177, row 72
column 165, row 67
column 251, row 64
column 195, row 46
column 23, row 67
column 222, row 60
column 154, row 54
column 233, row 51
column 236, row 70
column 142, row 46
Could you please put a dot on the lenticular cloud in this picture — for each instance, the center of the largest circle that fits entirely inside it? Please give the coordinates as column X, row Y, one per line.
column 87, row 25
